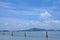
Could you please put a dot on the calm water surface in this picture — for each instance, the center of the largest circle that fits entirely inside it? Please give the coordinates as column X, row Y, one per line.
column 41, row 35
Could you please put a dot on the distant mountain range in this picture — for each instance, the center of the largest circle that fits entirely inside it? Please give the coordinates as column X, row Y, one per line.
column 31, row 29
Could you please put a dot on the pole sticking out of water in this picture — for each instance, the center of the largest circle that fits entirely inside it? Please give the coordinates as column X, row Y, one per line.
column 12, row 34
column 25, row 34
column 46, row 34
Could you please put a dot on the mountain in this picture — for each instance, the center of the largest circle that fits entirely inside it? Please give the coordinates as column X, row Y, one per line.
column 35, row 29
column 57, row 30
column 4, row 31
column 38, row 29
column 31, row 29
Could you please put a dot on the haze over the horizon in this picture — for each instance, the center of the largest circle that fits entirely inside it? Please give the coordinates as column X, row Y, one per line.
column 24, row 14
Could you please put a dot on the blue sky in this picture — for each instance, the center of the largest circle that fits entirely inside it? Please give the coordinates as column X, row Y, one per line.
column 24, row 14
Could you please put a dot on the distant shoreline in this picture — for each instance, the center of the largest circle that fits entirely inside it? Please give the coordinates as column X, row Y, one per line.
column 29, row 30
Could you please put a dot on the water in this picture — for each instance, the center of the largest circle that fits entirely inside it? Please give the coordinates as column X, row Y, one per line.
column 41, row 35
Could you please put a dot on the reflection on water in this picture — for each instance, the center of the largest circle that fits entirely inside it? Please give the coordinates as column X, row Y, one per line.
column 46, row 38
column 30, row 35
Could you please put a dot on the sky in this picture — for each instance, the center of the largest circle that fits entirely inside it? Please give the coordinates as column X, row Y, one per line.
column 25, row 14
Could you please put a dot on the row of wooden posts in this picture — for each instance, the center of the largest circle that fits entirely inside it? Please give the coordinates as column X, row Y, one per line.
column 25, row 35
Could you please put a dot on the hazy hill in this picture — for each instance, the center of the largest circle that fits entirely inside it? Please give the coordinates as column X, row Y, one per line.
column 38, row 29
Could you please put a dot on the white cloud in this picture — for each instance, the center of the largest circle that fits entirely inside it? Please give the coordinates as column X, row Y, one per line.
column 10, row 9
column 25, row 9
column 45, row 15
column 52, row 24
column 6, row 5
column 17, row 24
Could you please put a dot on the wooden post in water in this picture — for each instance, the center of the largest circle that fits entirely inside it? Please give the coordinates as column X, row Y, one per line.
column 25, row 34
column 46, row 34
column 12, row 34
